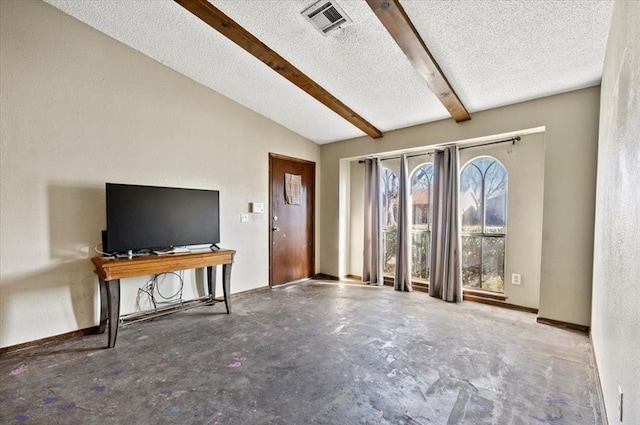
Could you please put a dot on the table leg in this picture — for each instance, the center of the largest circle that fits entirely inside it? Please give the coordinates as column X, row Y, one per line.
column 226, row 285
column 113, row 291
column 103, row 306
column 211, row 283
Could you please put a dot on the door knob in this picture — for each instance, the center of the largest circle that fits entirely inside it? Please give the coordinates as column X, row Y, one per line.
column 275, row 229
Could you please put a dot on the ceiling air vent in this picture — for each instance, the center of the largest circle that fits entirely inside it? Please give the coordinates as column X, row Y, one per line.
column 326, row 16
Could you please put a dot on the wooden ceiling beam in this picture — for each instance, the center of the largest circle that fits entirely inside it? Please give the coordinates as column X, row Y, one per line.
column 396, row 21
column 226, row 26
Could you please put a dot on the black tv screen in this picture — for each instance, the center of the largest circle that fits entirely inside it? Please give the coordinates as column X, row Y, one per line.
column 150, row 217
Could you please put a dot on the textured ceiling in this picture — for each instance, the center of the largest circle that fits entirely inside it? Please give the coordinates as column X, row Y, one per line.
column 494, row 53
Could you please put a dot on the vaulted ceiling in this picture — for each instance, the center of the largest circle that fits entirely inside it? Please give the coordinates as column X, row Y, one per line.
column 370, row 76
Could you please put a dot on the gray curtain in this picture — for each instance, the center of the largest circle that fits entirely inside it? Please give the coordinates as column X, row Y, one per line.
column 403, row 237
column 445, row 280
column 372, row 266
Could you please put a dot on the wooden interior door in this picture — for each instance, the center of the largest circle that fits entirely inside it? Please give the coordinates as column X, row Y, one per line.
column 292, row 221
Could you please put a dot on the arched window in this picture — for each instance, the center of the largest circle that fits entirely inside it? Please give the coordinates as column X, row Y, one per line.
column 389, row 214
column 483, row 206
column 421, row 205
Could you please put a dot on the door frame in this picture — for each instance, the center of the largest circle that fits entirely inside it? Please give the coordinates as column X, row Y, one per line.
column 311, row 194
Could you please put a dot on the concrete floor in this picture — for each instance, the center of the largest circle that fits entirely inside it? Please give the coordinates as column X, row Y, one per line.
column 312, row 353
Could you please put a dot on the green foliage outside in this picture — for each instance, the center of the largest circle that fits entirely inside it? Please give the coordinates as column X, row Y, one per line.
column 390, row 240
column 479, row 251
column 492, row 278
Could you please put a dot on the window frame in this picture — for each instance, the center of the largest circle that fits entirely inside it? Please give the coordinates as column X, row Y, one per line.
column 483, row 234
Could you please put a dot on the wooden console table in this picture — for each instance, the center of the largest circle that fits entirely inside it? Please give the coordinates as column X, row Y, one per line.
column 110, row 271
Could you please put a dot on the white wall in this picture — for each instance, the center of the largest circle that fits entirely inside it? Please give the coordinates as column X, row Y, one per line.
column 571, row 122
column 79, row 109
column 615, row 324
column 525, row 168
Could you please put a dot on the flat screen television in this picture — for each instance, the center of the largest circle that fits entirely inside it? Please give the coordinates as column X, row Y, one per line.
column 151, row 217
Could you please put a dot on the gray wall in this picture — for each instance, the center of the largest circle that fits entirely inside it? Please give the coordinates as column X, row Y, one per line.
column 571, row 136
column 79, row 109
column 615, row 324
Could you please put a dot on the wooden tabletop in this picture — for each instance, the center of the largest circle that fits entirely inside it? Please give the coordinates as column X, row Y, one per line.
column 110, row 269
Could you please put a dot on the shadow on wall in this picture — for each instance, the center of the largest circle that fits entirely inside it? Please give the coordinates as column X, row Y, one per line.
column 61, row 296
column 57, row 294
column 76, row 218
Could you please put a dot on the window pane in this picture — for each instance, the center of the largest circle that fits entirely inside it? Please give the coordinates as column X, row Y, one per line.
column 493, row 263
column 389, row 213
column 495, row 199
column 389, row 236
column 421, row 201
column 421, row 254
column 471, row 263
column 389, row 198
column 471, row 199
column 422, row 196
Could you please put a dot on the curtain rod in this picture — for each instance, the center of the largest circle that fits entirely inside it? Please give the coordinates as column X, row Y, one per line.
column 362, row 161
column 512, row 140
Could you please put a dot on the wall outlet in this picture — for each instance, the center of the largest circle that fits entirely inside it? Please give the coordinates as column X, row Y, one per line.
column 516, row 279
column 244, row 218
column 620, row 402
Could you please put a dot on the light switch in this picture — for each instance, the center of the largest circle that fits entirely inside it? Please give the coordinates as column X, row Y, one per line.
column 244, row 218
column 257, row 207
